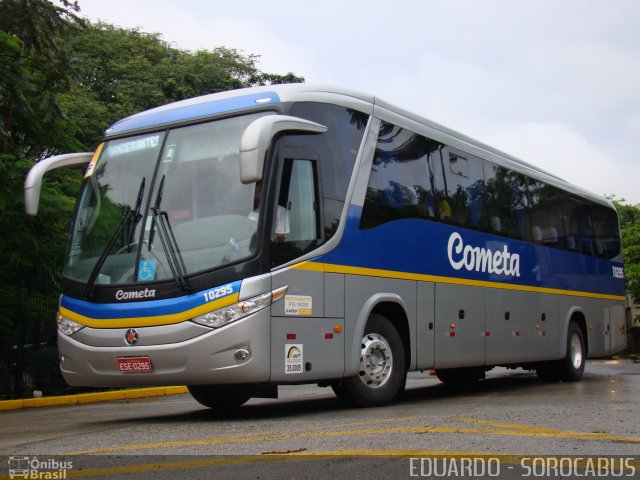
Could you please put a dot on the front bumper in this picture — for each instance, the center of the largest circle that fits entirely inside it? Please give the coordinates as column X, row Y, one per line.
column 207, row 358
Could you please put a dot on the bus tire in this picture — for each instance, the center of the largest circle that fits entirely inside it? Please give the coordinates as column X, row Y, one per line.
column 382, row 373
column 571, row 367
column 222, row 397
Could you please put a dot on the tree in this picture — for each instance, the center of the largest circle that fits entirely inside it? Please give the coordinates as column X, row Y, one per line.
column 63, row 81
column 35, row 68
column 629, row 217
column 123, row 71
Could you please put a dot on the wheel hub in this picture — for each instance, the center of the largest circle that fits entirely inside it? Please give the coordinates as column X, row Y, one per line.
column 376, row 361
column 576, row 351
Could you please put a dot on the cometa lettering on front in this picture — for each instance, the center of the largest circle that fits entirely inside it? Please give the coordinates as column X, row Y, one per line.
column 501, row 262
column 146, row 293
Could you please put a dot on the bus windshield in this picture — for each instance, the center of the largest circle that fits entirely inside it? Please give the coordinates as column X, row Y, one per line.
column 158, row 206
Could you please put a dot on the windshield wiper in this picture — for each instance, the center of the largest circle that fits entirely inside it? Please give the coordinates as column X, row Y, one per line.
column 133, row 216
column 168, row 240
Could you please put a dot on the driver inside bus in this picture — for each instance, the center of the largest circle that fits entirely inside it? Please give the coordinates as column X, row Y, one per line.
column 282, row 215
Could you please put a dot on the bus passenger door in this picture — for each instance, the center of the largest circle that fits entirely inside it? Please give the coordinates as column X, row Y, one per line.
column 304, row 344
column 460, row 326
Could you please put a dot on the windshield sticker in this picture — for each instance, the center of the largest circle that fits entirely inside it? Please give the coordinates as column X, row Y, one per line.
column 147, row 270
column 169, row 153
column 94, row 160
column 293, row 358
column 298, row 305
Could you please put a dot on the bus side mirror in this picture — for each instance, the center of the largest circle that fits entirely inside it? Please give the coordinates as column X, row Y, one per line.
column 257, row 138
column 33, row 182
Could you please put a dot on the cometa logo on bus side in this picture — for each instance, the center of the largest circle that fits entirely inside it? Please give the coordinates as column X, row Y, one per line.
column 482, row 259
column 146, row 293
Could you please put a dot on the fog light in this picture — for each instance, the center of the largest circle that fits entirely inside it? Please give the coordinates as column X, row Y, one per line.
column 242, row 355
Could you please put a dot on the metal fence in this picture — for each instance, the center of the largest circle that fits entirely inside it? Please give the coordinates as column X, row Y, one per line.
column 28, row 352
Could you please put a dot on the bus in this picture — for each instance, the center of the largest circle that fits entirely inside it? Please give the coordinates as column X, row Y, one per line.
column 300, row 234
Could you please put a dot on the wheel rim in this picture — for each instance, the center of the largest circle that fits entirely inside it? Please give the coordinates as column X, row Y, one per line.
column 376, row 361
column 576, row 351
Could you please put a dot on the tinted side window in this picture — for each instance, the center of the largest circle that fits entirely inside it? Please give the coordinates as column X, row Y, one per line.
column 606, row 233
column 296, row 217
column 546, row 216
column 296, row 213
column 337, row 150
column 459, row 185
column 507, row 202
column 578, row 228
column 399, row 185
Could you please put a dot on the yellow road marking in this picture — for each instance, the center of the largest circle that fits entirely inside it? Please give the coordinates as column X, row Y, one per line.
column 533, row 431
column 379, row 420
column 507, row 429
column 207, row 462
column 172, row 465
column 510, row 426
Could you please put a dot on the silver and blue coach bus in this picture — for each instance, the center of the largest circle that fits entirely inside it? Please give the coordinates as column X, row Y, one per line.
column 299, row 234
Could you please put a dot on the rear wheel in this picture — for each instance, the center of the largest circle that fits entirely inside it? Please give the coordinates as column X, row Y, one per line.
column 222, row 397
column 382, row 373
column 571, row 367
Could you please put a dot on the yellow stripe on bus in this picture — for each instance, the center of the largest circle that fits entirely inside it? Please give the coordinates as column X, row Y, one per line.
column 151, row 321
column 373, row 272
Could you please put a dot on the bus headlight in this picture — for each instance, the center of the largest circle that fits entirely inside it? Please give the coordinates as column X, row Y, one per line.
column 68, row 326
column 223, row 316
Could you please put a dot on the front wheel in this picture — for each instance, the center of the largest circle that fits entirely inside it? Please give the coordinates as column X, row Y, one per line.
column 222, row 397
column 382, row 373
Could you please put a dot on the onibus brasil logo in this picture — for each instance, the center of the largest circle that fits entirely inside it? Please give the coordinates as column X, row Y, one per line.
column 35, row 468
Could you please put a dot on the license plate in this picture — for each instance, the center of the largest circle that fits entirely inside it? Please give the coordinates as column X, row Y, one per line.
column 134, row 364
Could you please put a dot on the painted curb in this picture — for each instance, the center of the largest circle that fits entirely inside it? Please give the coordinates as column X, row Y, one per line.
column 90, row 397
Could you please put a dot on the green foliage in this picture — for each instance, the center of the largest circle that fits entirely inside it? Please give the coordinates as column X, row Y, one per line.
column 135, row 71
column 63, row 81
column 35, row 68
column 629, row 216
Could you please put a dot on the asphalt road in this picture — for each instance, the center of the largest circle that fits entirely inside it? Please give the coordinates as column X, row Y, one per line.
column 308, row 433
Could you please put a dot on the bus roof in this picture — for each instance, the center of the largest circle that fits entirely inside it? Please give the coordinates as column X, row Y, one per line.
column 211, row 105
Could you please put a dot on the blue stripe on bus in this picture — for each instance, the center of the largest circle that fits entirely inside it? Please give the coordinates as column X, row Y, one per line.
column 191, row 111
column 146, row 308
column 421, row 247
